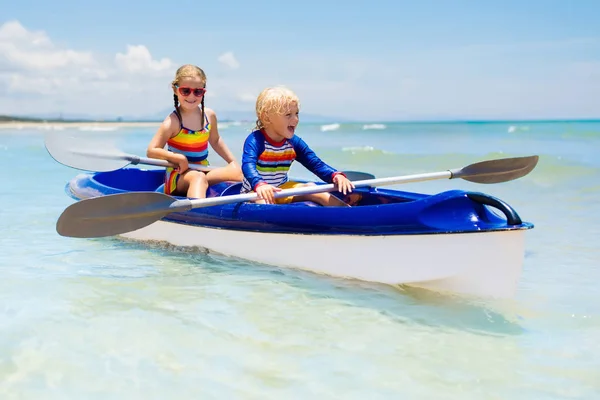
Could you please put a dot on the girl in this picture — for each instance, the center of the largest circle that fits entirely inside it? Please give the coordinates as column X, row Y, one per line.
column 187, row 131
column 271, row 149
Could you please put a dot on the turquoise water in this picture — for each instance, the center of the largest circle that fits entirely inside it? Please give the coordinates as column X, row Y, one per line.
column 107, row 318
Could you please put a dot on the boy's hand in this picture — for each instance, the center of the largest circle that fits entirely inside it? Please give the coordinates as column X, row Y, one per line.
column 267, row 192
column 344, row 185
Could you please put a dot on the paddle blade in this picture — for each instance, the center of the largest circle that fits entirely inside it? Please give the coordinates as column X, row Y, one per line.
column 496, row 171
column 85, row 153
column 116, row 214
column 358, row 175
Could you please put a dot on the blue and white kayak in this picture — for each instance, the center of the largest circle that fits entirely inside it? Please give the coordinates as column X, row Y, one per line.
column 454, row 241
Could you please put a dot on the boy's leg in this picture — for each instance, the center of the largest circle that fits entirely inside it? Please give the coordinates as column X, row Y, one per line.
column 324, row 199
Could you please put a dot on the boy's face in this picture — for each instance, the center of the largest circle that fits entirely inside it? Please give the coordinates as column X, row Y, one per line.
column 284, row 125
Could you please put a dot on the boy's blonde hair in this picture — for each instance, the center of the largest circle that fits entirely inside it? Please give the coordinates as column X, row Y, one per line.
column 276, row 99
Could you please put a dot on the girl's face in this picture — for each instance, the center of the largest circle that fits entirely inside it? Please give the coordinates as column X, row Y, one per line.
column 283, row 125
column 190, row 91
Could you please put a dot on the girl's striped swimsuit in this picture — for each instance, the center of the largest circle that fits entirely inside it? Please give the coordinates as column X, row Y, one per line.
column 190, row 143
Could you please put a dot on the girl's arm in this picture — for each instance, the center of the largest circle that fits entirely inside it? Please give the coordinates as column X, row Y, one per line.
column 167, row 129
column 215, row 140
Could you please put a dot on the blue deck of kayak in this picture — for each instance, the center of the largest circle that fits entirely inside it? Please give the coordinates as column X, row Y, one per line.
column 379, row 212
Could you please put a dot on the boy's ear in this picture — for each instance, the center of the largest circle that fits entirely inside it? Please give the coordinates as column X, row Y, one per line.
column 265, row 118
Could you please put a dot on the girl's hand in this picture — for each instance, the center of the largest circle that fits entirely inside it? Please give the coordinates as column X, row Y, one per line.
column 344, row 185
column 266, row 192
column 182, row 163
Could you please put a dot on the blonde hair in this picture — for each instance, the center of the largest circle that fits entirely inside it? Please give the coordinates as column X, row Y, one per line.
column 187, row 71
column 276, row 99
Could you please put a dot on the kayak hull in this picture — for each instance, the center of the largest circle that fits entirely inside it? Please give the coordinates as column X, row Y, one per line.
column 487, row 264
column 450, row 242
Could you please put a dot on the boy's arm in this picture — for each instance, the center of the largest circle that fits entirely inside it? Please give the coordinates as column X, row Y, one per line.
column 307, row 157
column 253, row 147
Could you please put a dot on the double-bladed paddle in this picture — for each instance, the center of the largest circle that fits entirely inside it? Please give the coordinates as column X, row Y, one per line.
column 120, row 213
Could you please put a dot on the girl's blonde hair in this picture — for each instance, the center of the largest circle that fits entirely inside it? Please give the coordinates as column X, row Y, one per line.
column 276, row 99
column 187, row 71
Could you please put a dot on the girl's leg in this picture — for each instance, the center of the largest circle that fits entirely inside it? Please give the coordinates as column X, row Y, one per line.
column 194, row 183
column 231, row 172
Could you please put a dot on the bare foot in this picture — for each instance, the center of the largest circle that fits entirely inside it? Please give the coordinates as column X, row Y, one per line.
column 352, row 199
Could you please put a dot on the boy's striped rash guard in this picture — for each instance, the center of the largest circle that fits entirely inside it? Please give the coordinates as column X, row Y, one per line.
column 267, row 162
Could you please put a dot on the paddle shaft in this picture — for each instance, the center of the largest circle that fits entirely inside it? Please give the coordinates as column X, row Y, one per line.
column 183, row 205
column 133, row 159
column 491, row 171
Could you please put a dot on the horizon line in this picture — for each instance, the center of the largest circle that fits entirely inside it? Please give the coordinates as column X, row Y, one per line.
column 326, row 120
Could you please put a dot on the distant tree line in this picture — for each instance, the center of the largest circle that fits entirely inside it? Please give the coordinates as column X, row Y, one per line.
column 10, row 118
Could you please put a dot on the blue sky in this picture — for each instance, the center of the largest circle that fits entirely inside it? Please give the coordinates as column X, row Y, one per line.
column 378, row 60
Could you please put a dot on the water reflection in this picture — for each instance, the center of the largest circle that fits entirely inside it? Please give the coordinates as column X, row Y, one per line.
column 165, row 276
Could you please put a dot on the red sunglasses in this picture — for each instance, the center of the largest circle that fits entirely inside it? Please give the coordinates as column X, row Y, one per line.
column 186, row 91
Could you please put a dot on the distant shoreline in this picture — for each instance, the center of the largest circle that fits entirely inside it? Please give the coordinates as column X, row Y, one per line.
column 111, row 125
column 75, row 124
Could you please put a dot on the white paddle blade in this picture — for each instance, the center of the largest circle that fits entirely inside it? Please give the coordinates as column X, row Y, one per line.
column 89, row 154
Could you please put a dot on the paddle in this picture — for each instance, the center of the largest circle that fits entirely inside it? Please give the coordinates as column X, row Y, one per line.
column 80, row 153
column 120, row 213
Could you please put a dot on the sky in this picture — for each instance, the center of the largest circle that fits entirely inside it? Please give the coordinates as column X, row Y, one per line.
column 366, row 61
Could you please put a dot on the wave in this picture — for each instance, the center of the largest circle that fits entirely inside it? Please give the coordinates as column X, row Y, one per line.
column 374, row 126
column 98, row 128
column 364, row 149
column 549, row 172
column 358, row 148
column 330, row 127
column 228, row 124
column 41, row 127
column 515, row 128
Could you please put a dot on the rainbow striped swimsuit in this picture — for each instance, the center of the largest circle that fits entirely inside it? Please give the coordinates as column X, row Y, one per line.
column 192, row 144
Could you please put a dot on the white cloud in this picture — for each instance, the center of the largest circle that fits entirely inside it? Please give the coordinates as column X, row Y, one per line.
column 22, row 49
column 228, row 59
column 139, row 59
column 13, row 30
column 62, row 80
column 78, row 81
column 423, row 84
column 34, row 85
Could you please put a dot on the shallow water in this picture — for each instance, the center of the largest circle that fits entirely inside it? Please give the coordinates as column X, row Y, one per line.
column 108, row 318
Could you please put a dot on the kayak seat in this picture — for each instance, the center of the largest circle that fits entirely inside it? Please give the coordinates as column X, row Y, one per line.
column 161, row 188
column 232, row 190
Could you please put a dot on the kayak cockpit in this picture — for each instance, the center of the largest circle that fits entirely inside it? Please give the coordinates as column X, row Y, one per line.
column 135, row 179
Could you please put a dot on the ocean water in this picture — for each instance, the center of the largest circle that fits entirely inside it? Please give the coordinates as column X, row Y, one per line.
column 113, row 319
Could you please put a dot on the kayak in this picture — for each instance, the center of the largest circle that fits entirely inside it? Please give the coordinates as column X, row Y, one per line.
column 455, row 241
